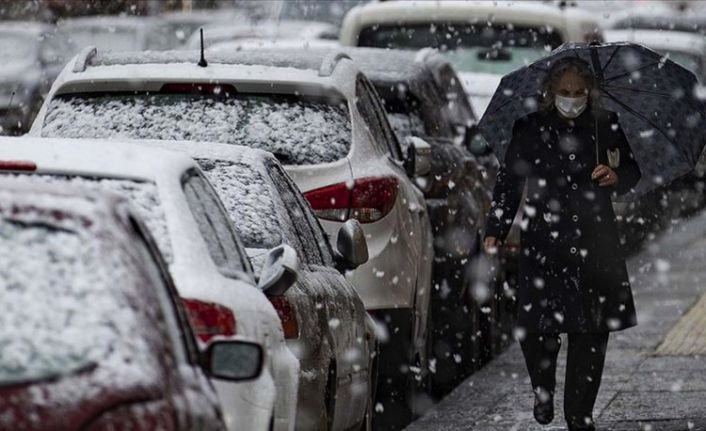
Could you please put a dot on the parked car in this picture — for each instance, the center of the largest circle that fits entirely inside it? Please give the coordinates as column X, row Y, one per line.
column 656, row 16
column 323, row 120
column 77, row 349
column 32, row 55
column 209, row 266
column 483, row 49
column 328, row 328
column 184, row 24
column 118, row 33
column 265, row 29
column 424, row 98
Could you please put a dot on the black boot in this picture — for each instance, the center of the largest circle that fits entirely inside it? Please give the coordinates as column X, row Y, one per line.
column 587, row 425
column 544, row 408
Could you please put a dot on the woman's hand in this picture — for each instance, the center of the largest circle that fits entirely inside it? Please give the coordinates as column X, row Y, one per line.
column 490, row 245
column 605, row 176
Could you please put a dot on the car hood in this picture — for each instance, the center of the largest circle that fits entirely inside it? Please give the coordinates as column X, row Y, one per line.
column 480, row 88
column 71, row 401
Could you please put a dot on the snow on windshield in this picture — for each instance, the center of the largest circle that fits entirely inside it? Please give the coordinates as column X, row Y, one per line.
column 248, row 200
column 143, row 196
column 61, row 310
column 297, row 131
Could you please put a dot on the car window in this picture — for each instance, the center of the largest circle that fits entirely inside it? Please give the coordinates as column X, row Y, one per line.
column 373, row 113
column 214, row 224
column 178, row 327
column 72, row 298
column 298, row 130
column 314, row 240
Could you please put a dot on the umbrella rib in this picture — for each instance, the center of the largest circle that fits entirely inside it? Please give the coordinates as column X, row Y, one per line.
column 640, row 116
column 630, row 73
column 603, row 69
column 655, row 93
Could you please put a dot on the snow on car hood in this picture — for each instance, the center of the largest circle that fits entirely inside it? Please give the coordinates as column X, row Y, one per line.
column 480, row 88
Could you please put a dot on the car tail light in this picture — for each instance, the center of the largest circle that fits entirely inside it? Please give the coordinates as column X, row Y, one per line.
column 368, row 200
column 287, row 316
column 17, row 165
column 197, row 88
column 209, row 319
column 147, row 416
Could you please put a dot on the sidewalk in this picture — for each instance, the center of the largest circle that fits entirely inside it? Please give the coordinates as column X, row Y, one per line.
column 652, row 382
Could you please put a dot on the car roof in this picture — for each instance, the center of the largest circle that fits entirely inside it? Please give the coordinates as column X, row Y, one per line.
column 390, row 64
column 408, row 11
column 119, row 159
column 130, row 22
column 660, row 39
column 25, row 27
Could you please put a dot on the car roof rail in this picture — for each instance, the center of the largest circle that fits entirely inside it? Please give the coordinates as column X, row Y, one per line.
column 424, row 53
column 328, row 65
column 83, row 58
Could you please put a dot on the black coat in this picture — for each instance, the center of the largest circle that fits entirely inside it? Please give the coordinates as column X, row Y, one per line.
column 572, row 274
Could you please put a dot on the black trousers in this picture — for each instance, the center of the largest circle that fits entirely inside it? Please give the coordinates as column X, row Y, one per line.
column 584, row 369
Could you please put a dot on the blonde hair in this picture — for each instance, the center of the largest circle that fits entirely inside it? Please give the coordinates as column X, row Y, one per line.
column 568, row 64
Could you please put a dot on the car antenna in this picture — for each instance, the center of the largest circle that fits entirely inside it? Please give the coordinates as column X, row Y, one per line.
column 202, row 62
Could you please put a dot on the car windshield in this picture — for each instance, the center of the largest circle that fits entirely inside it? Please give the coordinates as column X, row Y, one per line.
column 248, row 200
column 144, row 197
column 478, row 48
column 16, row 48
column 61, row 312
column 298, row 131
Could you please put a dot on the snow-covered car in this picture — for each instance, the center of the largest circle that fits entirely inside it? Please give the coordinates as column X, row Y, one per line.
column 211, row 271
column 686, row 49
column 424, row 98
column 118, row 33
column 273, row 30
column 323, row 120
column 326, row 326
column 31, row 56
column 79, row 350
column 484, row 40
column 655, row 16
column 183, row 24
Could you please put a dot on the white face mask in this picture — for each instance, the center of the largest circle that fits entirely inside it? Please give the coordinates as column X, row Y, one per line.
column 570, row 107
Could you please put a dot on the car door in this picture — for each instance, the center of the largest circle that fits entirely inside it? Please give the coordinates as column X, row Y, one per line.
column 190, row 390
column 344, row 311
column 416, row 217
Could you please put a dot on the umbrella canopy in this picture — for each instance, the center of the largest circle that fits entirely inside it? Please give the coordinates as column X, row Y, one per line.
column 656, row 101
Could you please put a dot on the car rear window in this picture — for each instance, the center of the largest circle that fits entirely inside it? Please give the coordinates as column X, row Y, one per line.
column 143, row 195
column 298, row 131
column 248, row 200
column 471, row 47
column 61, row 310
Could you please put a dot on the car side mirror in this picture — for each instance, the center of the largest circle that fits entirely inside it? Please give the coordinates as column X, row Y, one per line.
column 352, row 248
column 418, row 160
column 280, row 270
column 233, row 360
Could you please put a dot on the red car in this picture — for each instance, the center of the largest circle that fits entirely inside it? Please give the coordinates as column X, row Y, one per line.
column 92, row 334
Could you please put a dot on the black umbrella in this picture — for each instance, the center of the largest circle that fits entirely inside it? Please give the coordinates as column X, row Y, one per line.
column 656, row 101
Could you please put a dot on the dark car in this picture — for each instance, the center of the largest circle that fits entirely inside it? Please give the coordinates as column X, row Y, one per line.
column 31, row 56
column 92, row 335
column 424, row 98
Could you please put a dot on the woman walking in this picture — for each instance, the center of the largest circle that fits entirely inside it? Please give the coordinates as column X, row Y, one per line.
column 569, row 157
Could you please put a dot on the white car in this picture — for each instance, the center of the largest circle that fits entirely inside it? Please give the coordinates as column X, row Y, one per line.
column 686, row 49
column 210, row 269
column 484, row 40
column 118, row 33
column 322, row 119
column 272, row 30
column 328, row 328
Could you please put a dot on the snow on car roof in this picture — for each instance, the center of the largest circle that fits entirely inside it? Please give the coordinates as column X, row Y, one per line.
column 118, row 160
column 122, row 21
column 660, row 39
column 262, row 29
column 26, row 27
